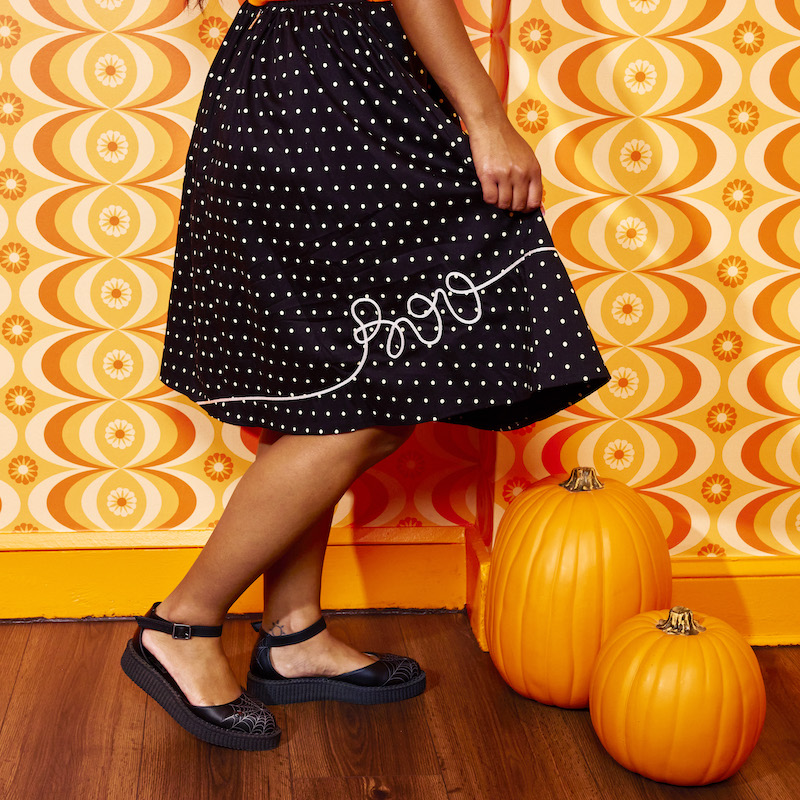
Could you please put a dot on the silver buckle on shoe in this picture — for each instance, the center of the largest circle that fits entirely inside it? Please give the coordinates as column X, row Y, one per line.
column 181, row 631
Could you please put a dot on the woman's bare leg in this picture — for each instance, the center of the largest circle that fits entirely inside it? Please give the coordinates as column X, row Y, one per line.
column 292, row 603
column 292, row 582
column 284, row 499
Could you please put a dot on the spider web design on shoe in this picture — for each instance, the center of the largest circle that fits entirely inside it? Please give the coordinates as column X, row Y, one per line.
column 251, row 717
column 401, row 668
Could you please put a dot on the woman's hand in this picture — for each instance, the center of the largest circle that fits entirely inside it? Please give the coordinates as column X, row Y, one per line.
column 508, row 170
column 506, row 166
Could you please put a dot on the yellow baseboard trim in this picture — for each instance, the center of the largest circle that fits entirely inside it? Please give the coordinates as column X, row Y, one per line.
column 765, row 609
column 758, row 597
column 119, row 582
column 743, row 567
column 478, row 559
column 125, row 540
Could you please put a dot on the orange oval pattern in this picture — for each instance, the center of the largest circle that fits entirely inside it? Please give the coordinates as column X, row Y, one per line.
column 672, row 193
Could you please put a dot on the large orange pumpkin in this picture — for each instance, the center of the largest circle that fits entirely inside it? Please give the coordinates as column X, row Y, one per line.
column 571, row 561
column 678, row 701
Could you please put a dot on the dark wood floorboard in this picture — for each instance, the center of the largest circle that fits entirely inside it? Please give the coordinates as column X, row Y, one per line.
column 466, row 704
column 73, row 727
column 776, row 760
column 429, row 787
column 13, row 640
column 344, row 740
column 175, row 765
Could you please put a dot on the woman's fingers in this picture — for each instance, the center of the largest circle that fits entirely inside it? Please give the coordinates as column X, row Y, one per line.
column 491, row 190
column 505, row 194
column 534, row 199
column 520, row 201
column 513, row 191
column 508, row 171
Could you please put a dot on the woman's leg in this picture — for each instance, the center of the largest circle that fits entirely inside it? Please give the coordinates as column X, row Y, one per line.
column 292, row 603
column 292, row 582
column 280, row 509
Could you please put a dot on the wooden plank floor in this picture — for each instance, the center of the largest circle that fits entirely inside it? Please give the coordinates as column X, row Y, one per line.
column 72, row 726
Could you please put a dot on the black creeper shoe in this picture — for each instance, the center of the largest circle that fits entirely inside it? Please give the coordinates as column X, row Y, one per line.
column 387, row 680
column 243, row 724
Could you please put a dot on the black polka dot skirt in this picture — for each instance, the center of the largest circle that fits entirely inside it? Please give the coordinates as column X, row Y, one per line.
column 336, row 266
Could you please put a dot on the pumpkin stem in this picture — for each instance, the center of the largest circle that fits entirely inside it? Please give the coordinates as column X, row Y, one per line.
column 680, row 623
column 582, row 479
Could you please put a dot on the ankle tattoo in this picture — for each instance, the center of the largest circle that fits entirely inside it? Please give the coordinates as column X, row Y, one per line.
column 276, row 629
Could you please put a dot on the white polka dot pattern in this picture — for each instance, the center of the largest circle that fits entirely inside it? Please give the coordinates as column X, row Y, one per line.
column 336, row 265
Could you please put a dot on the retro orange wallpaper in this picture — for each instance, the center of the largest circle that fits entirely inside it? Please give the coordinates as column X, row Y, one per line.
column 669, row 132
column 664, row 128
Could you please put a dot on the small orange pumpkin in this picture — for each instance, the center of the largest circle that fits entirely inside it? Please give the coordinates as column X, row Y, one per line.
column 678, row 701
column 571, row 561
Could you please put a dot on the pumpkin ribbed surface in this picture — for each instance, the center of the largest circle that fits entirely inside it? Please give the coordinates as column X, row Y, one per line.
column 567, row 568
column 686, row 710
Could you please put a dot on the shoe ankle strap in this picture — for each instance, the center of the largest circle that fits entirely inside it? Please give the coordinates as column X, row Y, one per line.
column 177, row 630
column 286, row 639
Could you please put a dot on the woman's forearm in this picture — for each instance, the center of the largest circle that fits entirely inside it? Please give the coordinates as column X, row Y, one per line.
column 436, row 32
column 506, row 167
